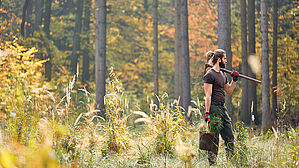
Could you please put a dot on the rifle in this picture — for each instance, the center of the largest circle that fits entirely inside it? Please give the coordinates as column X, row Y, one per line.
column 240, row 75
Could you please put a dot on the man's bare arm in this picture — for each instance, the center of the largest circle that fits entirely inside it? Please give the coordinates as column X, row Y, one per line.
column 229, row 88
column 208, row 91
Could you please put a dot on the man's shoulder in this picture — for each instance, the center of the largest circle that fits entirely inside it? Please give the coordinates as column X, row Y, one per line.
column 209, row 72
column 209, row 76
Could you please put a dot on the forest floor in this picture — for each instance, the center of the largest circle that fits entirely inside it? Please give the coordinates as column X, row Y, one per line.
column 91, row 148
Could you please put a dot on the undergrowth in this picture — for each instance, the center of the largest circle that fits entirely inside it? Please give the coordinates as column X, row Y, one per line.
column 42, row 127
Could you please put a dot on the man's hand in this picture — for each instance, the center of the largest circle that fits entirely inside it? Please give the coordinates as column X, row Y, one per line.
column 235, row 75
column 207, row 117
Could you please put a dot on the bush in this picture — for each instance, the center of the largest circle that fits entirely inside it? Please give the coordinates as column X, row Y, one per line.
column 165, row 123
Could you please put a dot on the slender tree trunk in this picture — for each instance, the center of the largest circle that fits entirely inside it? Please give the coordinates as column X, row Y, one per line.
column 178, row 56
column 186, row 95
column 47, row 20
column 155, row 53
column 29, row 19
column 25, row 7
column 229, row 58
column 39, row 5
column 86, row 27
column 266, row 118
column 224, row 40
column 274, row 59
column 245, row 113
column 38, row 12
column 173, row 3
column 252, row 97
column 100, row 54
column 76, row 37
column 145, row 5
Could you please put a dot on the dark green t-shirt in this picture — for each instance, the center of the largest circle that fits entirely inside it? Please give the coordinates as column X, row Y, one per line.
column 218, row 79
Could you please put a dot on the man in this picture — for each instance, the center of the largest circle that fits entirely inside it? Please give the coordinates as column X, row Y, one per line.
column 216, row 85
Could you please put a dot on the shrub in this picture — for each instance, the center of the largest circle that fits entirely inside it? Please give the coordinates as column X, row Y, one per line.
column 164, row 123
column 115, row 127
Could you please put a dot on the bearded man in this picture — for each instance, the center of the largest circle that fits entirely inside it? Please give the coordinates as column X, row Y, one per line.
column 216, row 85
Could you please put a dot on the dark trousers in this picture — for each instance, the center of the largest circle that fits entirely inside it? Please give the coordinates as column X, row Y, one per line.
column 226, row 132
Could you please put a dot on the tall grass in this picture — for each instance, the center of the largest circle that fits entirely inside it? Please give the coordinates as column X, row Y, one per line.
column 43, row 128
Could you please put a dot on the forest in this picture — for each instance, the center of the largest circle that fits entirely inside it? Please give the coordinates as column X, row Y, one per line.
column 120, row 83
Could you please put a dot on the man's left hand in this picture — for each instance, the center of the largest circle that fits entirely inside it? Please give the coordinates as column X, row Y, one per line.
column 235, row 75
column 207, row 117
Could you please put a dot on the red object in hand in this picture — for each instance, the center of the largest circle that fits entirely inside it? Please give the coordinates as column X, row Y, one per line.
column 236, row 72
column 207, row 117
column 235, row 75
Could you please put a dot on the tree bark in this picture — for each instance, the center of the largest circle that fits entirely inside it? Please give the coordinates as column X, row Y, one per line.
column 76, row 37
column 224, row 41
column 100, row 54
column 145, row 5
column 39, row 5
column 186, row 95
column 86, row 27
column 274, row 59
column 252, row 97
column 178, row 56
column 47, row 20
column 266, row 117
column 245, row 113
column 29, row 19
column 155, row 52
column 25, row 7
column 229, row 57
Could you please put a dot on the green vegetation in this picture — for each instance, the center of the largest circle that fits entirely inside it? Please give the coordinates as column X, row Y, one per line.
column 54, row 123
column 41, row 128
column 215, row 125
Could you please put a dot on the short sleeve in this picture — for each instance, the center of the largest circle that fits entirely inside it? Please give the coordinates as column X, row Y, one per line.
column 208, row 78
column 226, row 80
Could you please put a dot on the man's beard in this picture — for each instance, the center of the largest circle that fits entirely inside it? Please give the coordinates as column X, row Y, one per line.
column 222, row 65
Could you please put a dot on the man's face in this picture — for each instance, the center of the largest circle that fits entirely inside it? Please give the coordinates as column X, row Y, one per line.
column 223, row 62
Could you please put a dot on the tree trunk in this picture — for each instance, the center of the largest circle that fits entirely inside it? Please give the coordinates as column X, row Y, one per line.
column 245, row 113
column 229, row 103
column 186, row 95
column 252, row 97
column 47, row 19
column 39, row 5
column 229, row 57
column 145, row 5
column 178, row 57
column 224, row 41
column 76, row 37
column 155, row 53
column 266, row 117
column 173, row 3
column 274, row 59
column 25, row 7
column 86, row 27
column 29, row 19
column 100, row 54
